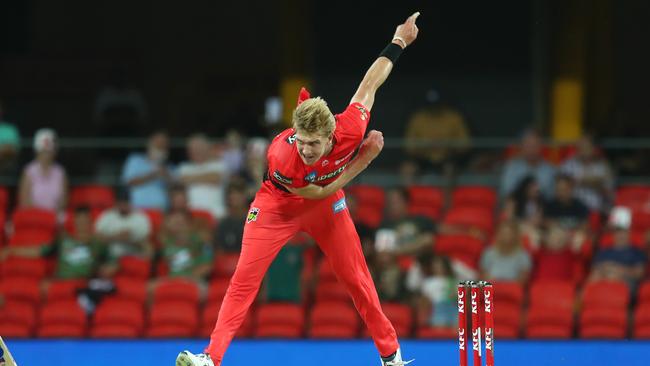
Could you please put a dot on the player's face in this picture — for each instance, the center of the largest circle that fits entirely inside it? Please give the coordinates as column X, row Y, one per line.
column 311, row 147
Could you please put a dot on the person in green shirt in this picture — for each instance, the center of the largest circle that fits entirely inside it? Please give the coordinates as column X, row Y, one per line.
column 9, row 142
column 283, row 279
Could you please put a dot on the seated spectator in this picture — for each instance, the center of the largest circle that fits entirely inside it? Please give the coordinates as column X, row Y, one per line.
column 44, row 183
column 179, row 203
column 592, row 174
column 437, row 123
column 78, row 254
column 565, row 209
column 228, row 235
column 559, row 257
column 530, row 162
column 402, row 233
column 184, row 252
column 283, row 279
column 123, row 231
column 526, row 205
column 506, row 259
column 388, row 276
column 433, row 280
column 9, row 142
column 204, row 177
column 622, row 261
column 147, row 175
column 233, row 152
column 255, row 164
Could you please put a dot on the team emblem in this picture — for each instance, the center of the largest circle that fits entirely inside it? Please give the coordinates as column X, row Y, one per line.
column 325, row 162
column 291, row 139
column 311, row 177
column 364, row 113
column 252, row 215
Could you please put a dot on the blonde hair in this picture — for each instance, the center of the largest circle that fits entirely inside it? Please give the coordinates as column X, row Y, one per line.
column 314, row 117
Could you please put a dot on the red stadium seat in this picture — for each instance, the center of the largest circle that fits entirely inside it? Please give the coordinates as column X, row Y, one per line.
column 332, row 291
column 13, row 266
column 325, row 272
column 12, row 330
column 552, row 294
column 280, row 320
column 548, row 322
column 507, row 319
column 610, row 323
column 33, row 226
column 131, row 289
column 19, row 314
column 368, row 195
column 209, row 317
column 62, row 319
column 63, row 289
column 509, row 293
column 172, row 319
column 468, row 217
column 641, row 220
column 134, row 268
column 401, row 316
column 437, row 333
column 217, row 289
column 156, row 218
column 225, row 264
column 464, row 248
column 176, row 289
column 21, row 289
column 606, row 294
column 643, row 294
column 426, row 201
column 334, row 313
column 641, row 328
column 119, row 312
column 93, row 196
column 369, row 215
column 633, row 196
column 474, row 196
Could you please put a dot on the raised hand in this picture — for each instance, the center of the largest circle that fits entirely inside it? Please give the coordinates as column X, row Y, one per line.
column 407, row 31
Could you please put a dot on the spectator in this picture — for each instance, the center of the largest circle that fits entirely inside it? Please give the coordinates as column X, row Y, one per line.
column 388, row 276
column 78, row 254
column 506, row 260
column 203, row 177
column 402, row 233
column 44, row 183
column 365, row 232
column 148, row 175
column 434, row 282
column 565, row 209
column 255, row 164
column 526, row 205
column 435, row 124
column 283, row 279
column 123, row 231
column 179, row 204
column 9, row 142
column 233, row 154
column 530, row 162
column 559, row 257
column 228, row 235
column 622, row 261
column 592, row 174
column 183, row 250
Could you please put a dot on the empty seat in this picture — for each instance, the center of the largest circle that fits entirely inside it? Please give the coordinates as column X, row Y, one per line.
column 461, row 247
column 641, row 328
column 209, row 316
column 609, row 323
column 21, row 289
column 217, row 289
column 643, row 294
column 63, row 289
column 368, row 195
column 334, row 313
column 131, row 289
column 62, row 319
column 548, row 323
column 426, row 201
column 606, row 294
column 279, row 320
column 172, row 319
column 93, row 196
column 115, row 314
column 507, row 319
column 552, row 294
column 508, row 293
column 471, row 217
column 401, row 316
column 13, row 330
column 332, row 291
column 633, row 196
column 134, row 268
column 33, row 226
column 277, row 331
column 176, row 289
column 13, row 266
column 21, row 315
column 225, row 265
column 474, row 196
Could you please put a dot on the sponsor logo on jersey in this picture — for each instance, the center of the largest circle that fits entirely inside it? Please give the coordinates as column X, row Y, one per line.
column 325, row 162
column 291, row 139
column 281, row 178
column 311, row 177
column 364, row 112
column 331, row 174
column 337, row 162
column 252, row 214
column 339, row 205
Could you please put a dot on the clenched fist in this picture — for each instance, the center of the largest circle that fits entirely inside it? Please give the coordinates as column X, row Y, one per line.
column 371, row 146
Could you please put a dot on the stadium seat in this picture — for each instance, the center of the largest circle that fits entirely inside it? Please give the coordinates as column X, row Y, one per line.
column 209, row 316
column 224, row 265
column 177, row 289
column 13, row 330
column 14, row 266
column 62, row 319
column 633, row 196
column 114, row 315
column 279, row 320
column 325, row 316
column 474, row 196
column 549, row 323
column 217, row 289
column 427, row 332
column 369, row 215
column 643, row 293
column 401, row 316
column 605, row 294
column 325, row 272
column 332, row 291
column 21, row 289
column 370, row 203
column 641, row 220
column 557, row 295
column 507, row 319
column 156, row 218
column 426, row 201
column 172, row 319
column 509, row 293
column 63, row 289
column 20, row 315
column 609, row 323
column 33, row 226
column 476, row 217
column 641, row 328
column 464, row 248
column 92, row 196
column 131, row 289
column 134, row 268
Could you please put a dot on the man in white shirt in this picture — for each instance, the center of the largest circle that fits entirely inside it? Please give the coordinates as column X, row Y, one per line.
column 124, row 231
column 204, row 177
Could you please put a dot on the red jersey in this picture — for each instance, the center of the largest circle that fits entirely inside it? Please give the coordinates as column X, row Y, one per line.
column 287, row 168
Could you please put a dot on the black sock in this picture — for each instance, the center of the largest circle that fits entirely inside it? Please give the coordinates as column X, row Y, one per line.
column 390, row 357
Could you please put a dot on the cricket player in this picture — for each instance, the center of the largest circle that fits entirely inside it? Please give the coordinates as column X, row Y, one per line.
column 308, row 165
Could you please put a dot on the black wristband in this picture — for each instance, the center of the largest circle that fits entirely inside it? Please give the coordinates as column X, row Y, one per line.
column 392, row 52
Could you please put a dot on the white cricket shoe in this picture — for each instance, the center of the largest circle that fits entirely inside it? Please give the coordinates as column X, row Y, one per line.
column 187, row 358
column 394, row 360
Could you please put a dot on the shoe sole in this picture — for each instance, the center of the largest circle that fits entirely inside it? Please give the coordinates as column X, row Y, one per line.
column 183, row 360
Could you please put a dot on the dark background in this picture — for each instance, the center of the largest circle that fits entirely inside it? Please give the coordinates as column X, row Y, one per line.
column 208, row 65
